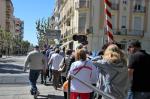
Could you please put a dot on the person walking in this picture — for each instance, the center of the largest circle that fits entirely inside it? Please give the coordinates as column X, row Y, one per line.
column 46, row 74
column 54, row 61
column 138, row 68
column 36, row 62
column 113, row 73
column 63, row 68
column 83, row 70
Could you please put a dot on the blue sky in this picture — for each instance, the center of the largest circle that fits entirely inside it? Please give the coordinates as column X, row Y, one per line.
column 29, row 11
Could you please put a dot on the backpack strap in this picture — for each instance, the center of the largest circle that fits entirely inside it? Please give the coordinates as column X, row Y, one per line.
column 84, row 66
column 78, row 69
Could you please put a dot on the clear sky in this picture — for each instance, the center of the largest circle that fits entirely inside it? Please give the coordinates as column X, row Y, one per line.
column 29, row 11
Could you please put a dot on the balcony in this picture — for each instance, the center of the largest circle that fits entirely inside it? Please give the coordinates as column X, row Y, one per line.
column 8, row 14
column 82, row 5
column 8, row 8
column 126, row 32
column 115, row 6
column 139, row 9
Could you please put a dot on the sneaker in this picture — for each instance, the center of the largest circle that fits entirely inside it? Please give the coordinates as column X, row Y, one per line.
column 33, row 92
column 37, row 93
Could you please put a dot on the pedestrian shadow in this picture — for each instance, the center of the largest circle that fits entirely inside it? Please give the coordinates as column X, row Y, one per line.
column 55, row 97
column 7, row 61
column 11, row 68
column 49, row 97
column 42, row 97
column 48, row 84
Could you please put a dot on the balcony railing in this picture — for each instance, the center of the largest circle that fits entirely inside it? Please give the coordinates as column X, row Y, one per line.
column 115, row 6
column 139, row 9
column 82, row 4
column 126, row 32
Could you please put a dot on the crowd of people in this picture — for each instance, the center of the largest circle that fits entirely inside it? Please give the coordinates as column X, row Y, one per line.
column 123, row 75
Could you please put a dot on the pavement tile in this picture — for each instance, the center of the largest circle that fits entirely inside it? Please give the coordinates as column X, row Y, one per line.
column 21, row 91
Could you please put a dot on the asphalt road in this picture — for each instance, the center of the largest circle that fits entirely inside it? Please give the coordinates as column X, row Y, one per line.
column 12, row 64
column 11, row 70
column 14, row 83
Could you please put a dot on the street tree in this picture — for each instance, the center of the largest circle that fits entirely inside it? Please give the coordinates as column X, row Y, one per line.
column 5, row 41
column 41, row 26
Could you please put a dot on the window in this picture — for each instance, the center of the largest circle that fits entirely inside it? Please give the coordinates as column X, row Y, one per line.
column 82, row 22
column 137, row 23
column 124, row 22
column 124, row 1
column 137, row 26
column 138, row 5
column 113, row 21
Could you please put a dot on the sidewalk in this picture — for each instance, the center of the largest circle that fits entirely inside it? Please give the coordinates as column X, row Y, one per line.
column 22, row 91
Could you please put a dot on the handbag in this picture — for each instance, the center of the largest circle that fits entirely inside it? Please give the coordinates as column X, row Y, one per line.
column 65, row 84
column 63, row 68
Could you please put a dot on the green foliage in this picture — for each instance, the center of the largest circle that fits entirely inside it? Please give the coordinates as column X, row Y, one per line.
column 41, row 26
column 9, row 43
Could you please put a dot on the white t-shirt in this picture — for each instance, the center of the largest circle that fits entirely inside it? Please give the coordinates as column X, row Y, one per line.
column 84, row 74
column 56, row 59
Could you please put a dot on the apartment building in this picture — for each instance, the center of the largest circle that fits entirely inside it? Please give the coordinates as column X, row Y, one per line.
column 2, row 16
column 71, row 19
column 9, row 23
column 6, row 15
column 19, row 28
column 130, row 20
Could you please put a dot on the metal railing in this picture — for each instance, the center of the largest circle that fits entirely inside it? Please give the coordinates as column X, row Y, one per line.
column 105, row 95
column 139, row 9
column 127, row 32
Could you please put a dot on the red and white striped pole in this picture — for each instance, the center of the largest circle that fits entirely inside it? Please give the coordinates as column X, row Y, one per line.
column 108, row 22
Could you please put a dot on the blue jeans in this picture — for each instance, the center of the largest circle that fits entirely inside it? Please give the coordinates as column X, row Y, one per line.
column 138, row 95
column 33, row 76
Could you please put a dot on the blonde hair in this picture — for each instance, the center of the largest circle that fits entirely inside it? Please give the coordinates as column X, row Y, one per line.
column 113, row 54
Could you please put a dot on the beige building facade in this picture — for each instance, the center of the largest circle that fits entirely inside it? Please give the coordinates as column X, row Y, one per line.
column 3, row 14
column 19, row 28
column 130, row 20
column 6, row 15
column 8, row 21
column 72, row 19
column 10, row 24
